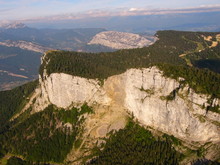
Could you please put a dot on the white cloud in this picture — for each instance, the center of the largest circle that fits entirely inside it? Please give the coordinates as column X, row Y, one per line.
column 27, row 9
column 125, row 12
column 133, row 9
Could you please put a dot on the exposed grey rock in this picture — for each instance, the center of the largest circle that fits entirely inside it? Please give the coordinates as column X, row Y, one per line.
column 120, row 40
column 25, row 45
column 141, row 92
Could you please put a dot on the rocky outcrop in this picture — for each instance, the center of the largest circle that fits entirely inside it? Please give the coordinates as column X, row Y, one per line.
column 25, row 45
column 142, row 92
column 120, row 40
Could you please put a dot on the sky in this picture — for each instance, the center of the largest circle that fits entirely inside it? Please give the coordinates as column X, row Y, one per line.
column 28, row 9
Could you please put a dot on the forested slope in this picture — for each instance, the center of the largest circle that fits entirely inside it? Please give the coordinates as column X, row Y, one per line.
column 168, row 49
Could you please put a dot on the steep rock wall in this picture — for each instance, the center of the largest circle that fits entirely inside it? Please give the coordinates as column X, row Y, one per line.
column 142, row 92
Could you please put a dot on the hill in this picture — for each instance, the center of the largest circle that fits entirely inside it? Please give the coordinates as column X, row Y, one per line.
column 120, row 40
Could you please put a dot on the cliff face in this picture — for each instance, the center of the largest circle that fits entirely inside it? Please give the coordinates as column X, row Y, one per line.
column 142, row 92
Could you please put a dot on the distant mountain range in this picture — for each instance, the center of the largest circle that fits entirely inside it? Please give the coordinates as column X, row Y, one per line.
column 21, row 48
column 188, row 21
column 14, row 25
column 68, row 39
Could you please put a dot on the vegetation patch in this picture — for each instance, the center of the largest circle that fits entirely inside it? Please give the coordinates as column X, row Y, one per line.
column 202, row 119
column 18, row 161
column 149, row 91
column 78, row 143
column 136, row 145
column 46, row 136
column 215, row 108
column 201, row 80
column 173, row 139
column 171, row 96
column 12, row 102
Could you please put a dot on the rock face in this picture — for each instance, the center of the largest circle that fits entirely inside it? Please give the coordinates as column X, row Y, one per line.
column 25, row 45
column 143, row 93
column 120, row 40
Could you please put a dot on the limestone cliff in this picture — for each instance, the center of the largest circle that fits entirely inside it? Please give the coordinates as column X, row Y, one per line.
column 141, row 92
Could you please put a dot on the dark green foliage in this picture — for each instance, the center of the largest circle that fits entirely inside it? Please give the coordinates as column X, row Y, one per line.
column 171, row 138
column 134, row 145
column 215, row 108
column 2, row 152
column 202, row 81
column 208, row 58
column 200, row 152
column 86, row 109
column 17, row 161
column 205, row 162
column 211, row 53
column 96, row 48
column 212, row 64
column 70, row 116
column 43, row 136
column 171, row 96
column 1, row 155
column 13, row 100
column 38, row 139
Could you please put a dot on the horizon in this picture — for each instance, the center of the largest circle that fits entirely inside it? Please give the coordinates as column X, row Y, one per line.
column 34, row 10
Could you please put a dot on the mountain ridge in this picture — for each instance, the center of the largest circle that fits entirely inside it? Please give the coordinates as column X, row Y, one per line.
column 25, row 45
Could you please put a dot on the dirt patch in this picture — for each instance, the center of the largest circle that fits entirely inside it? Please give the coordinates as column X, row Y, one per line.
column 102, row 131
column 98, row 126
column 218, row 37
column 207, row 38
column 214, row 44
column 182, row 55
